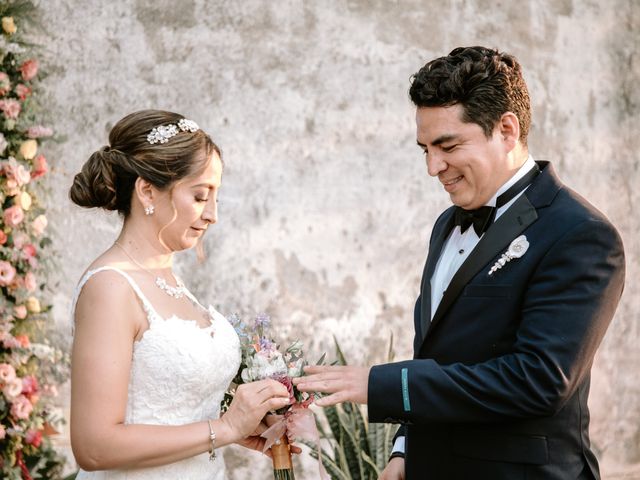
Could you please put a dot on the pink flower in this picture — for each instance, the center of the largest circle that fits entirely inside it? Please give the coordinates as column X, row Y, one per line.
column 16, row 171
column 39, row 131
column 30, row 282
column 13, row 216
column 39, row 224
column 33, row 437
column 7, row 273
column 20, row 311
column 22, row 91
column 29, row 250
column 29, row 69
column 21, row 408
column 5, row 84
column 11, row 108
column 3, row 238
column 29, row 384
column 20, row 239
column 7, row 373
column 3, row 432
column 40, row 167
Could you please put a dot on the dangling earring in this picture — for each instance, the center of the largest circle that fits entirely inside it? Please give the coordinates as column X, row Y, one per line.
column 149, row 209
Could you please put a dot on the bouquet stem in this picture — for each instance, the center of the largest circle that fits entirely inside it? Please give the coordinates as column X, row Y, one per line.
column 282, row 466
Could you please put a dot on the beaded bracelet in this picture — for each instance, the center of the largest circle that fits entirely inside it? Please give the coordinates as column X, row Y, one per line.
column 212, row 438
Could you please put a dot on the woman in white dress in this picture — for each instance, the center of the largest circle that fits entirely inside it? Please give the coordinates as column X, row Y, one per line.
column 150, row 364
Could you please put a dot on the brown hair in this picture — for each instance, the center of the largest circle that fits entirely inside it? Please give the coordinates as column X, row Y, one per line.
column 486, row 82
column 107, row 178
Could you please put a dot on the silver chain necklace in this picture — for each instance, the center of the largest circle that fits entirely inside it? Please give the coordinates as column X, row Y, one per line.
column 176, row 292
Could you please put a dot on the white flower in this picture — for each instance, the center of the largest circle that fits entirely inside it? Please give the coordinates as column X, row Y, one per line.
column 516, row 249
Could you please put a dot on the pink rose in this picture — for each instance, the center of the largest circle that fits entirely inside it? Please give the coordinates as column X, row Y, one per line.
column 40, row 167
column 29, row 385
column 39, row 131
column 20, row 239
column 29, row 69
column 7, row 373
column 39, row 224
column 29, row 250
column 13, row 216
column 21, row 408
column 30, row 282
column 10, row 107
column 33, row 437
column 3, row 238
column 16, row 171
column 5, row 84
column 20, row 311
column 22, row 91
column 7, row 273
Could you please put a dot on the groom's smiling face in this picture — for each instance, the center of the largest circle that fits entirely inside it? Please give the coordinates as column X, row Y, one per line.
column 470, row 165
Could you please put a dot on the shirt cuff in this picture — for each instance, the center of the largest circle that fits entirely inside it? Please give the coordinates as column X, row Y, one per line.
column 398, row 446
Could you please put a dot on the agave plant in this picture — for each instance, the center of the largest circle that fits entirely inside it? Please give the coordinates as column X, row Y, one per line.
column 357, row 450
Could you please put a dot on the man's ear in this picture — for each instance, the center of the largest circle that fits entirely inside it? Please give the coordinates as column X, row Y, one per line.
column 509, row 130
column 145, row 192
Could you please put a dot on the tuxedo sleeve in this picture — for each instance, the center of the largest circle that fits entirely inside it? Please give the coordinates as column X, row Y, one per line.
column 569, row 302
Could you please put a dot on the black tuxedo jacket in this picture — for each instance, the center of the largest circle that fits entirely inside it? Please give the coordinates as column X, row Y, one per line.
column 499, row 382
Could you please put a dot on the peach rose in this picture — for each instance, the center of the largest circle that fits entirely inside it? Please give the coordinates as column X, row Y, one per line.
column 39, row 224
column 21, row 408
column 11, row 108
column 30, row 282
column 29, row 250
column 9, row 25
column 24, row 201
column 33, row 305
column 13, row 216
column 40, row 167
column 20, row 312
column 28, row 149
column 29, row 69
column 33, row 437
column 3, row 238
column 5, row 84
column 7, row 373
column 7, row 273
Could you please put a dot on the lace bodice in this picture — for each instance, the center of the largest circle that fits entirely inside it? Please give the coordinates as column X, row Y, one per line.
column 179, row 373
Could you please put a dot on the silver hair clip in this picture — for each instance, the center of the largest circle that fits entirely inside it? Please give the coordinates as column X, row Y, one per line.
column 163, row 133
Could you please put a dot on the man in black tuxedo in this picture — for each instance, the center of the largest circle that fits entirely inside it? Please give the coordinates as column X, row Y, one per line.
column 522, row 279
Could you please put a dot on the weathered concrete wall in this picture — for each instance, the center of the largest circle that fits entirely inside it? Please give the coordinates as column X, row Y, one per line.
column 326, row 205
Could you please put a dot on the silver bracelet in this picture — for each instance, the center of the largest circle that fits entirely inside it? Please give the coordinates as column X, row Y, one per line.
column 212, row 439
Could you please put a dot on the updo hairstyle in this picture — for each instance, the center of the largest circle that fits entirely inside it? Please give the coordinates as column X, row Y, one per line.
column 107, row 178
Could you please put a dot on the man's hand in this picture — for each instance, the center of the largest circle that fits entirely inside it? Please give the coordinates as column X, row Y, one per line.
column 344, row 384
column 394, row 470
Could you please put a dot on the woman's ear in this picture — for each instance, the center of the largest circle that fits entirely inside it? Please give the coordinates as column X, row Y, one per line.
column 145, row 192
column 509, row 130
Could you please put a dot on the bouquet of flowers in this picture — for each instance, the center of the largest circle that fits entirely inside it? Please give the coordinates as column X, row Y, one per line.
column 262, row 358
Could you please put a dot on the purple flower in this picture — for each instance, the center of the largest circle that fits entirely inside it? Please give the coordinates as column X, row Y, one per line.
column 262, row 321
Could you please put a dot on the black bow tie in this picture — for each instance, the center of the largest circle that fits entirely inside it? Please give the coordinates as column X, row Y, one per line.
column 482, row 218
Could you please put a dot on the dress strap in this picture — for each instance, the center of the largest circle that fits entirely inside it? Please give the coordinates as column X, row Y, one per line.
column 146, row 305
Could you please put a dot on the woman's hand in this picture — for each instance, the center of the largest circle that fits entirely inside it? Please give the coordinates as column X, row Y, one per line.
column 250, row 404
column 256, row 442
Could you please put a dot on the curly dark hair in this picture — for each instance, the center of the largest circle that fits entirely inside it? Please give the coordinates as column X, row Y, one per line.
column 485, row 82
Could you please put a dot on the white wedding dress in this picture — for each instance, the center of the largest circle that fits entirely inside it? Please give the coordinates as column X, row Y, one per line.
column 179, row 373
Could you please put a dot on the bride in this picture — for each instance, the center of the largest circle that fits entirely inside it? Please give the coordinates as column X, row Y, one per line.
column 150, row 364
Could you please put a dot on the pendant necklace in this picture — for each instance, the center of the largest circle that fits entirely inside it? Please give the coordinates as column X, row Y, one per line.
column 175, row 292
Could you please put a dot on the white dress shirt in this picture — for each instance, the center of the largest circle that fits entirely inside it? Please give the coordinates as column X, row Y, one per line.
column 457, row 248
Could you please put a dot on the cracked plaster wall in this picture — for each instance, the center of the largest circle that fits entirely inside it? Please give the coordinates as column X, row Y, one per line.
column 326, row 205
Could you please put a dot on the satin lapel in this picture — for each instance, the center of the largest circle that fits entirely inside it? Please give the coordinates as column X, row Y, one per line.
column 513, row 222
column 435, row 248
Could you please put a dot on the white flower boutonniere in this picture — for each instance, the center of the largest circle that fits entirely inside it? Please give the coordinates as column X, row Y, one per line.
column 517, row 249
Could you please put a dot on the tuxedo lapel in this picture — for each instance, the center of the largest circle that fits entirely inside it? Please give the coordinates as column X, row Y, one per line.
column 497, row 238
column 435, row 249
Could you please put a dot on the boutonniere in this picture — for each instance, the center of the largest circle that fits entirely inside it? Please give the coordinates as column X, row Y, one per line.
column 517, row 249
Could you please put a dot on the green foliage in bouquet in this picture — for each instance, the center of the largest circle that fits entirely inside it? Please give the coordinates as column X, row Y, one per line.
column 359, row 450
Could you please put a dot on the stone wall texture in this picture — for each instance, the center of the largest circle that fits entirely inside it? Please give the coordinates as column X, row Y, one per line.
column 326, row 204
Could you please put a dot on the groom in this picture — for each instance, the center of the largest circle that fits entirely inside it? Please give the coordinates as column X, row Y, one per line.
column 522, row 279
